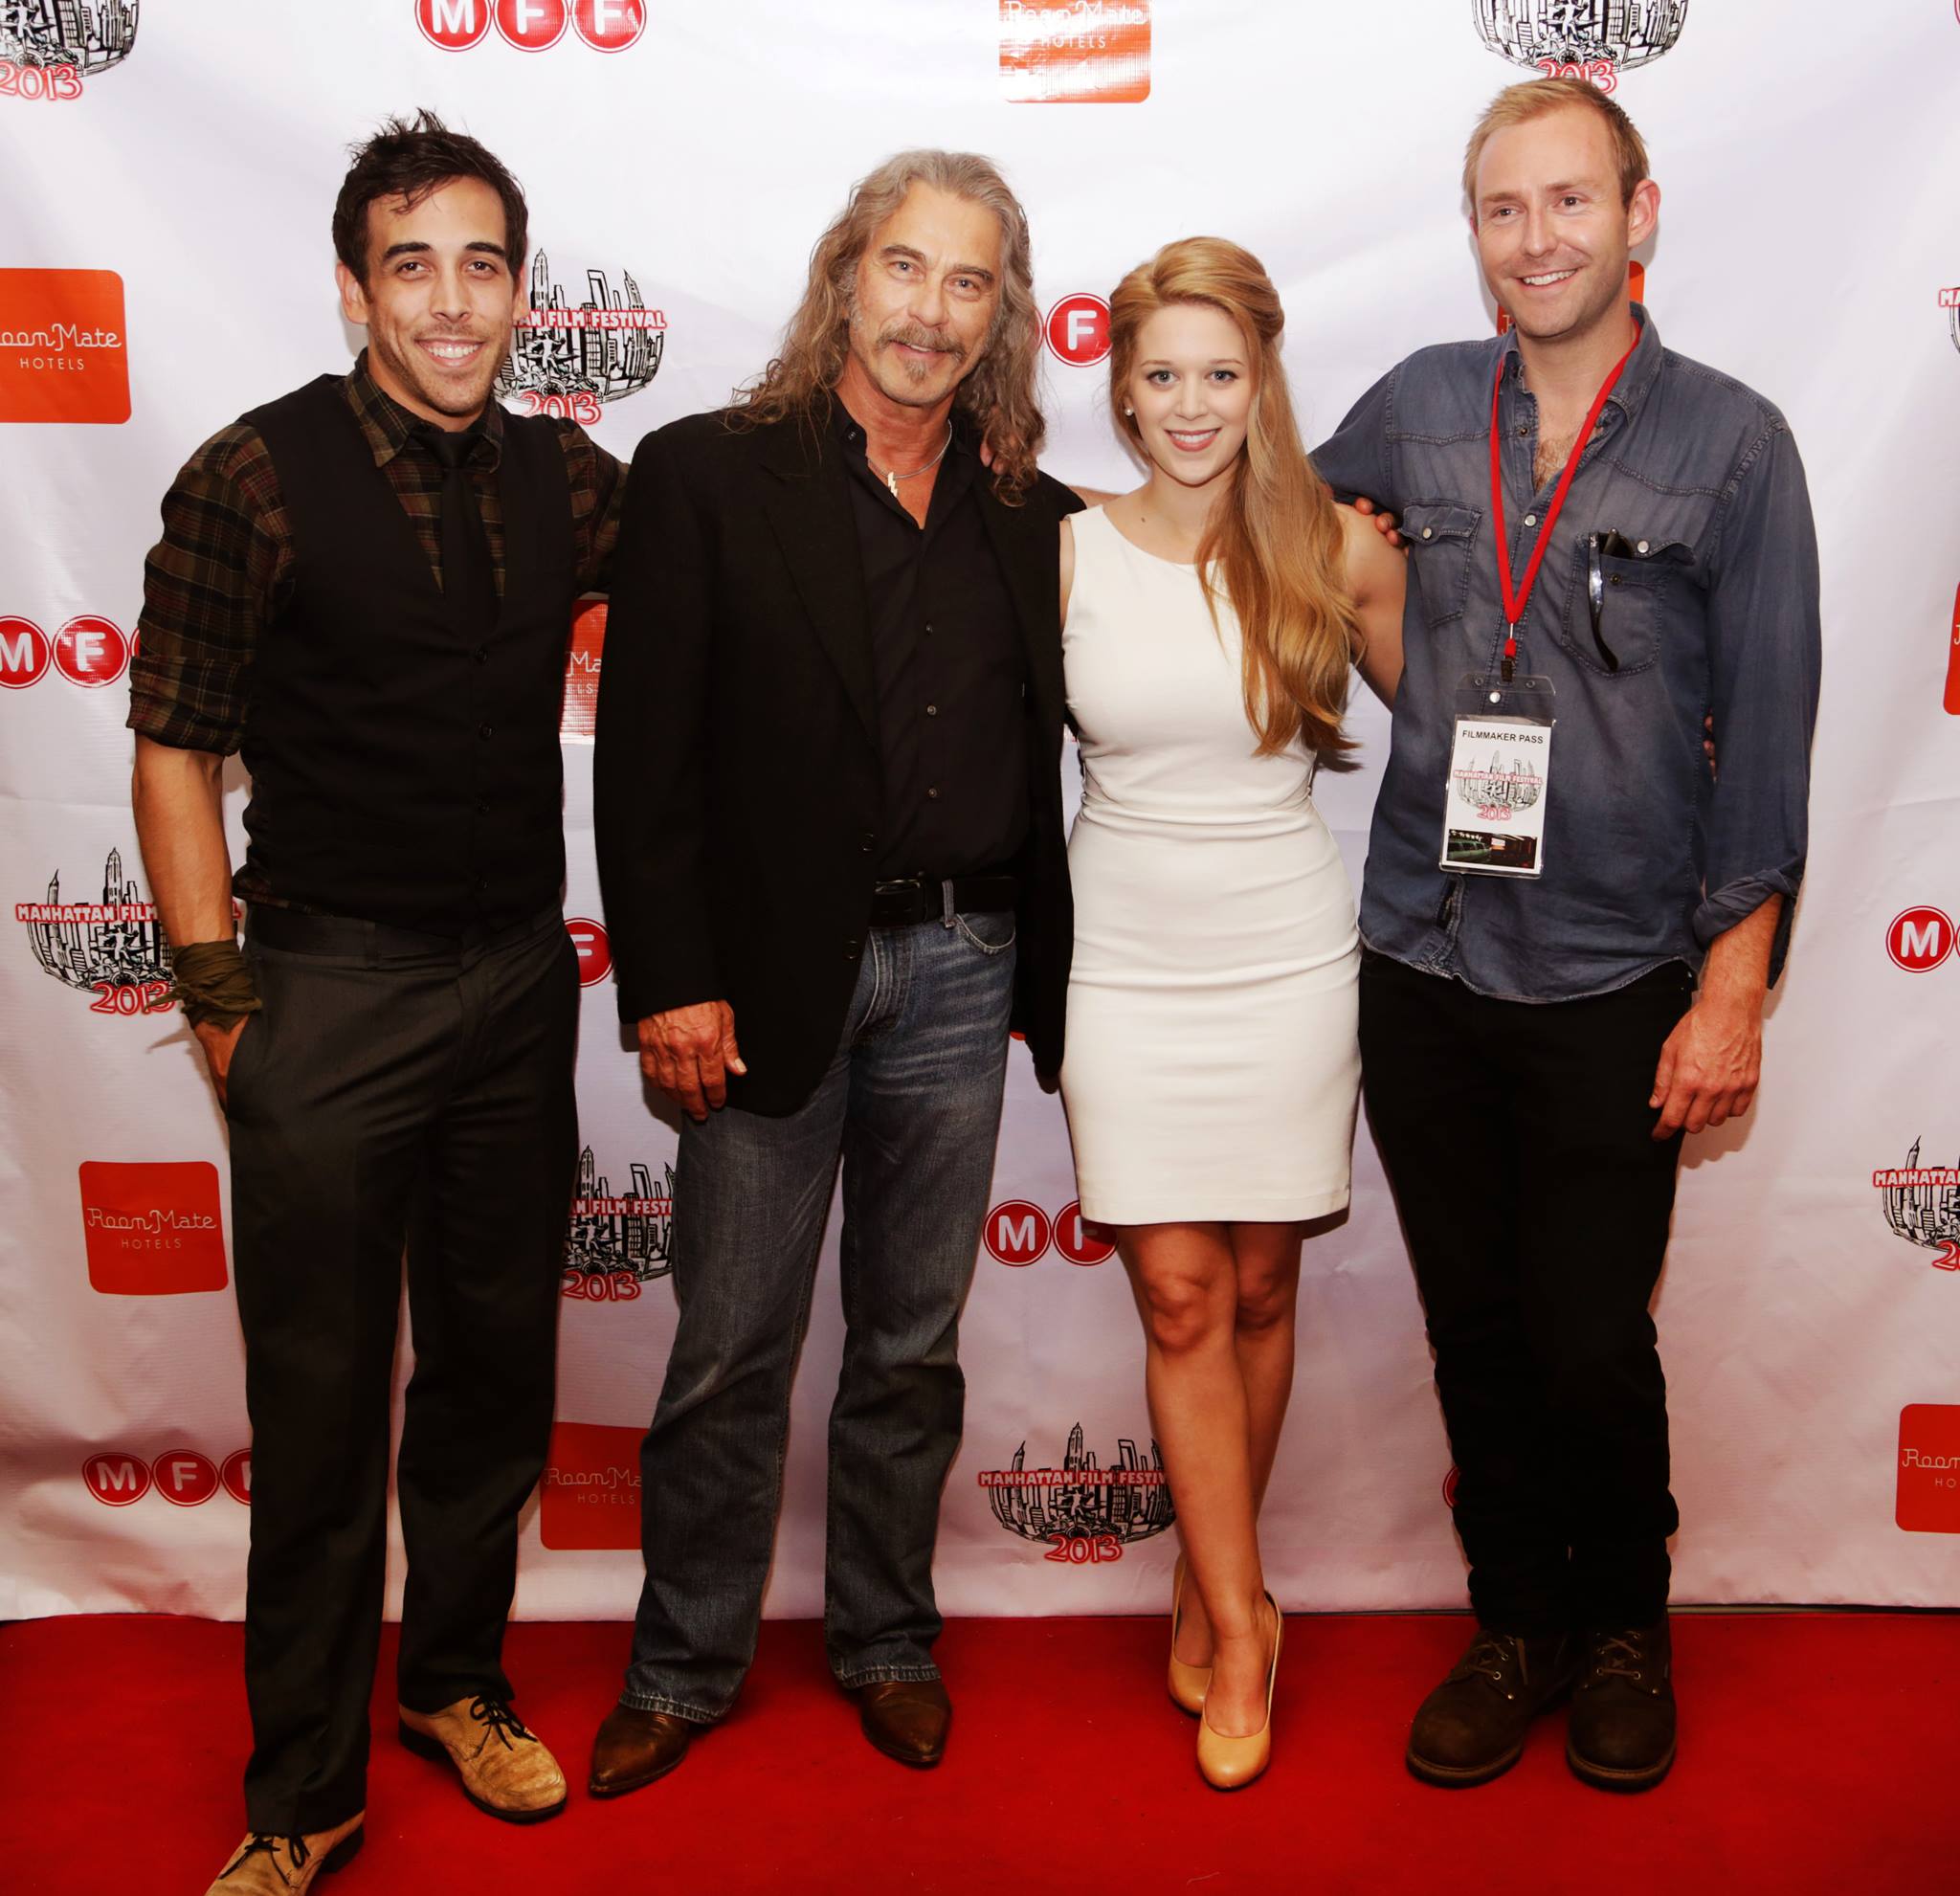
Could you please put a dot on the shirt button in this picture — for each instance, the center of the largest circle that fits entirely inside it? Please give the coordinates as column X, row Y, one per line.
column 1429, row 532
column 1642, row 548
column 1524, row 429
column 851, row 948
column 482, row 654
column 933, row 794
column 1530, row 520
column 482, row 809
column 486, row 731
column 928, row 629
column 932, row 710
column 865, row 841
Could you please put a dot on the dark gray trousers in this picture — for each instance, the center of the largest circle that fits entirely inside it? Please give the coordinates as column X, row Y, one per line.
column 396, row 1091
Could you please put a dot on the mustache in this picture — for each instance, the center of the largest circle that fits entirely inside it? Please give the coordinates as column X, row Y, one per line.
column 916, row 336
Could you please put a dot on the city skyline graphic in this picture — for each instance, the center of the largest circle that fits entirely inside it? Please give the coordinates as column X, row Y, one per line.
column 631, row 1233
column 608, row 346
column 1130, row 1501
column 119, row 941
column 1922, row 1206
column 1495, row 788
column 91, row 36
column 1629, row 33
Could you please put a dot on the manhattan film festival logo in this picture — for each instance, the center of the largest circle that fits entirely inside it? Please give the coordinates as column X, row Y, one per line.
column 617, row 1245
column 530, row 26
column 567, row 358
column 1074, row 51
column 1498, row 791
column 88, row 650
column 589, row 1496
column 1928, row 1499
column 113, row 949
column 183, row 1477
column 1085, row 1515
column 65, row 346
column 1922, row 1204
column 50, row 49
column 1595, row 40
column 152, row 1229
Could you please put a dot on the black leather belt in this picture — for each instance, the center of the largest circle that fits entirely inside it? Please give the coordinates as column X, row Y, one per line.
column 898, row 905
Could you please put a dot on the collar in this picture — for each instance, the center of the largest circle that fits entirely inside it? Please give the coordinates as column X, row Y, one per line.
column 1637, row 379
column 388, row 427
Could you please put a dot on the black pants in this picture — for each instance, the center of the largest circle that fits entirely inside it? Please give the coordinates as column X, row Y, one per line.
column 1517, row 1140
column 395, row 1090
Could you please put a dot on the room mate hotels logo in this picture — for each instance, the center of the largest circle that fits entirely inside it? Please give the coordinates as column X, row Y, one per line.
column 1929, row 1468
column 1074, row 51
column 1581, row 39
column 49, row 47
column 152, row 1229
column 590, row 1493
column 64, row 353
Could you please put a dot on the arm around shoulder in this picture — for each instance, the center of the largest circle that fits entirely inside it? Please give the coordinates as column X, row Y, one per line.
column 1376, row 578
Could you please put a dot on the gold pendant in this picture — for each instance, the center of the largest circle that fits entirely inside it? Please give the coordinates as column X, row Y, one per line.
column 891, row 480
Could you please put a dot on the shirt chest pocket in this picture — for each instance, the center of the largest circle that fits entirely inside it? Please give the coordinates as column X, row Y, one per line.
column 1619, row 606
column 1440, row 537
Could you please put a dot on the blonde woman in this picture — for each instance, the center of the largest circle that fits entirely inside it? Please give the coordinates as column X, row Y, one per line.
column 1211, row 618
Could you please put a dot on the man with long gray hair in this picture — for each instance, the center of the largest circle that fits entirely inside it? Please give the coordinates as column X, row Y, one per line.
column 829, row 838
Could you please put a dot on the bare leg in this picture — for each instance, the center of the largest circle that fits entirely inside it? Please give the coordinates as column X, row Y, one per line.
column 1185, row 1280
column 1266, row 1262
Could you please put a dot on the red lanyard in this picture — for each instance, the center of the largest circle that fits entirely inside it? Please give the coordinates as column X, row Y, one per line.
column 1517, row 598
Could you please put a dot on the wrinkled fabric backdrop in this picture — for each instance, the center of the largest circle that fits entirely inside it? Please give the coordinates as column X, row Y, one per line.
column 169, row 170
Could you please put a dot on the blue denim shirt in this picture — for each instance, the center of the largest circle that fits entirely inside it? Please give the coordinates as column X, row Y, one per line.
column 1647, row 858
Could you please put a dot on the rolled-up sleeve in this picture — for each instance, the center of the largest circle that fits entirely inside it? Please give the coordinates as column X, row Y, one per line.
column 1355, row 458
column 1765, row 654
column 208, row 588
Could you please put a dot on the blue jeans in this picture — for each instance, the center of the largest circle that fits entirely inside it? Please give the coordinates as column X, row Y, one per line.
column 912, row 1103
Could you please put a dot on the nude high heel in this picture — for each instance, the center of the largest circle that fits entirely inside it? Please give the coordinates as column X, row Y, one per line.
column 1229, row 1764
column 1188, row 1683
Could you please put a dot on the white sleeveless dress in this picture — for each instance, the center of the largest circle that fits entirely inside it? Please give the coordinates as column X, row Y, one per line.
column 1211, row 1068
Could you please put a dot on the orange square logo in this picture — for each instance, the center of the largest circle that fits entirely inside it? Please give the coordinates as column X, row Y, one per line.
column 578, row 712
column 152, row 1230
column 590, row 1497
column 1929, row 1468
column 1074, row 51
column 64, row 350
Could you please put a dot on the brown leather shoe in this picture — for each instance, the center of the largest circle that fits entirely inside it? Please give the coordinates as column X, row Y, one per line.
column 905, row 1718
column 266, row 1866
column 635, row 1747
column 506, row 1768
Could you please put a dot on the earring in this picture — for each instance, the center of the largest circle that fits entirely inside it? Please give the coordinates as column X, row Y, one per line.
column 1129, row 410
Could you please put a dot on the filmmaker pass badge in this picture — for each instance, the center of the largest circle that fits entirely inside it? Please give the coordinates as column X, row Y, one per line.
column 1494, row 823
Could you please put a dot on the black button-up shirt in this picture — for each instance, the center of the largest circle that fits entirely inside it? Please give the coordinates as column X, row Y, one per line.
column 951, row 672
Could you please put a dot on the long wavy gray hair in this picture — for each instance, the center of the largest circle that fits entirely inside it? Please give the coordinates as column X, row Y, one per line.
column 999, row 392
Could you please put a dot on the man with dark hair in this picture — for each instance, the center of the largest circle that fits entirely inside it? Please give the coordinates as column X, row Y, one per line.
column 1610, row 542
column 829, row 816
column 364, row 586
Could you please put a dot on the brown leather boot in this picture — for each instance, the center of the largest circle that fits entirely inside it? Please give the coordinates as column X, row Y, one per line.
column 1472, row 1727
column 505, row 1768
column 905, row 1718
column 1621, row 1734
column 634, row 1747
column 267, row 1866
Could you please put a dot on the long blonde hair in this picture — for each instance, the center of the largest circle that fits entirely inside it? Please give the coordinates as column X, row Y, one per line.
column 1000, row 391
column 1276, row 543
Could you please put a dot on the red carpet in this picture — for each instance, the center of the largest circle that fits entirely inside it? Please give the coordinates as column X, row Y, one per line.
column 1817, row 1755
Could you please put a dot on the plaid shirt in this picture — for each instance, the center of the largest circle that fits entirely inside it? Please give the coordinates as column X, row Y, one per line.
column 224, row 567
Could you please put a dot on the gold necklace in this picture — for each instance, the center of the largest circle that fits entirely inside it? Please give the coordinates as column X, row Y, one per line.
column 892, row 478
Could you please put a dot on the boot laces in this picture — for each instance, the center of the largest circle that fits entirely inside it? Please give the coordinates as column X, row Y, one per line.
column 1491, row 1656
column 501, row 1721
column 267, row 1845
column 1619, row 1656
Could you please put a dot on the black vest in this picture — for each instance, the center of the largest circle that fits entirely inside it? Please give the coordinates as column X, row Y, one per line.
column 402, row 771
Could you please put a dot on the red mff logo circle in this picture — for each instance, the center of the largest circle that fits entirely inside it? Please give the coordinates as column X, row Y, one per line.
column 116, row 1480
column 454, row 25
column 1920, row 939
column 594, row 950
column 609, row 25
column 90, row 651
column 24, row 653
column 237, row 1477
column 1016, row 1232
column 1073, row 1241
column 532, row 26
column 186, row 1477
column 1078, row 329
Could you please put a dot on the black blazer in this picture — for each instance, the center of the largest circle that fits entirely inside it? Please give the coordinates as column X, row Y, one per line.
column 736, row 776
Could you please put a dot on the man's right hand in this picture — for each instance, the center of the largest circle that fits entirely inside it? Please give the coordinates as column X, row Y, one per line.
column 1385, row 523
column 220, row 1044
column 689, row 1052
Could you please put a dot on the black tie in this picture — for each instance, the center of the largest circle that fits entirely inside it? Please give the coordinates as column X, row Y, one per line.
column 469, row 584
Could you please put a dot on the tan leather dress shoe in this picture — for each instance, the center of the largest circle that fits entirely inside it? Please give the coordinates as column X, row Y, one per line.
column 506, row 1768
column 905, row 1718
column 635, row 1747
column 265, row 1865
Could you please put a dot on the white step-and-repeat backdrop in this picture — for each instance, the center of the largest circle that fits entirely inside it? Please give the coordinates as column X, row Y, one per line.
column 164, row 263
